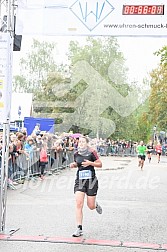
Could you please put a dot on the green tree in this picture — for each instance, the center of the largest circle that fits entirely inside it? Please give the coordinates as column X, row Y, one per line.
column 163, row 55
column 35, row 67
column 158, row 98
column 144, row 125
column 57, row 96
column 104, row 55
column 154, row 111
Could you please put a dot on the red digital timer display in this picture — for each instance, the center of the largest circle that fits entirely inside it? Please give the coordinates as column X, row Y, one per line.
column 143, row 10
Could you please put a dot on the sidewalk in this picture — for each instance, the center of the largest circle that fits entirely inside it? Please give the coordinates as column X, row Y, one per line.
column 134, row 208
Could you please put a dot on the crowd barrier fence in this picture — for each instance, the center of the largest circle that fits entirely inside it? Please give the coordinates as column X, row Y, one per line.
column 23, row 167
column 116, row 150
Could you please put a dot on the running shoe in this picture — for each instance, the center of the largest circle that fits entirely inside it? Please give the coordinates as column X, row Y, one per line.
column 77, row 233
column 15, row 183
column 42, row 177
column 98, row 208
column 11, row 186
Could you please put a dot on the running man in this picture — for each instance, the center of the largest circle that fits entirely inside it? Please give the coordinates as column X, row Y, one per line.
column 141, row 150
column 86, row 182
column 149, row 150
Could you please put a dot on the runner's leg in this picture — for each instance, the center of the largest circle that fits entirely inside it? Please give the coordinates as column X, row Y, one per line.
column 139, row 159
column 91, row 202
column 79, row 197
column 142, row 164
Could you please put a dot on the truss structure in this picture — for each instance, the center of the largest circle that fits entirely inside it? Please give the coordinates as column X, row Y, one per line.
column 7, row 9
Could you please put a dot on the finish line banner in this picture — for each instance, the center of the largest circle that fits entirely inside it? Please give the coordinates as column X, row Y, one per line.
column 92, row 17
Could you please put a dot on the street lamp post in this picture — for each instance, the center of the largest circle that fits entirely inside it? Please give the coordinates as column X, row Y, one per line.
column 154, row 133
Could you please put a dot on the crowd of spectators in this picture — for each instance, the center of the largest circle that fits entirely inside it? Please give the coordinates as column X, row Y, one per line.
column 34, row 154
column 123, row 147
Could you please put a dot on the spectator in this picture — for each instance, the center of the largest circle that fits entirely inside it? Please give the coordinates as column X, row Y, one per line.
column 43, row 159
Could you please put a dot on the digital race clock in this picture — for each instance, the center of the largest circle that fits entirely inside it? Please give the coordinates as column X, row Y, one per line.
column 143, row 10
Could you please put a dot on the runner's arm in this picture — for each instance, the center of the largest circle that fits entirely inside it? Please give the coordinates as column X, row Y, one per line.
column 73, row 165
column 97, row 163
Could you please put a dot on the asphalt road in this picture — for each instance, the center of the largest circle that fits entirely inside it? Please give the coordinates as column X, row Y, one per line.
column 134, row 209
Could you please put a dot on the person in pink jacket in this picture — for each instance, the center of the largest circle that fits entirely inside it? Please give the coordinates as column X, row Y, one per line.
column 158, row 149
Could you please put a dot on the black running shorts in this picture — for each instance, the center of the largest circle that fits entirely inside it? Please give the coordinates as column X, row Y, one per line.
column 88, row 186
column 142, row 157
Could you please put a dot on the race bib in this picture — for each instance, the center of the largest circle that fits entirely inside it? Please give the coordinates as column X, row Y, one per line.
column 85, row 174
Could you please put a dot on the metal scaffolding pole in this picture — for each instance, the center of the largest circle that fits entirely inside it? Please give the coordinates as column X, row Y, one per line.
column 6, row 52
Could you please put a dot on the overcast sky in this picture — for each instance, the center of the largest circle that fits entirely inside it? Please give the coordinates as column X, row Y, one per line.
column 138, row 52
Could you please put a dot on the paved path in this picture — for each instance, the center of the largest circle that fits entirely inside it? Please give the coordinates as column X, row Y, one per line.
column 134, row 210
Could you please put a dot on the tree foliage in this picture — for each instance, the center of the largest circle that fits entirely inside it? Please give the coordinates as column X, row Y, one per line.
column 35, row 67
column 154, row 112
column 104, row 55
column 158, row 98
column 56, row 96
column 163, row 55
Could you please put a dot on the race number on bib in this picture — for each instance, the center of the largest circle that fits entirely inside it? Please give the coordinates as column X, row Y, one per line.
column 85, row 174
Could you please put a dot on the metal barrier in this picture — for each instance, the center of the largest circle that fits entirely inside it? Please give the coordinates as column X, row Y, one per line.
column 24, row 167
column 115, row 150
